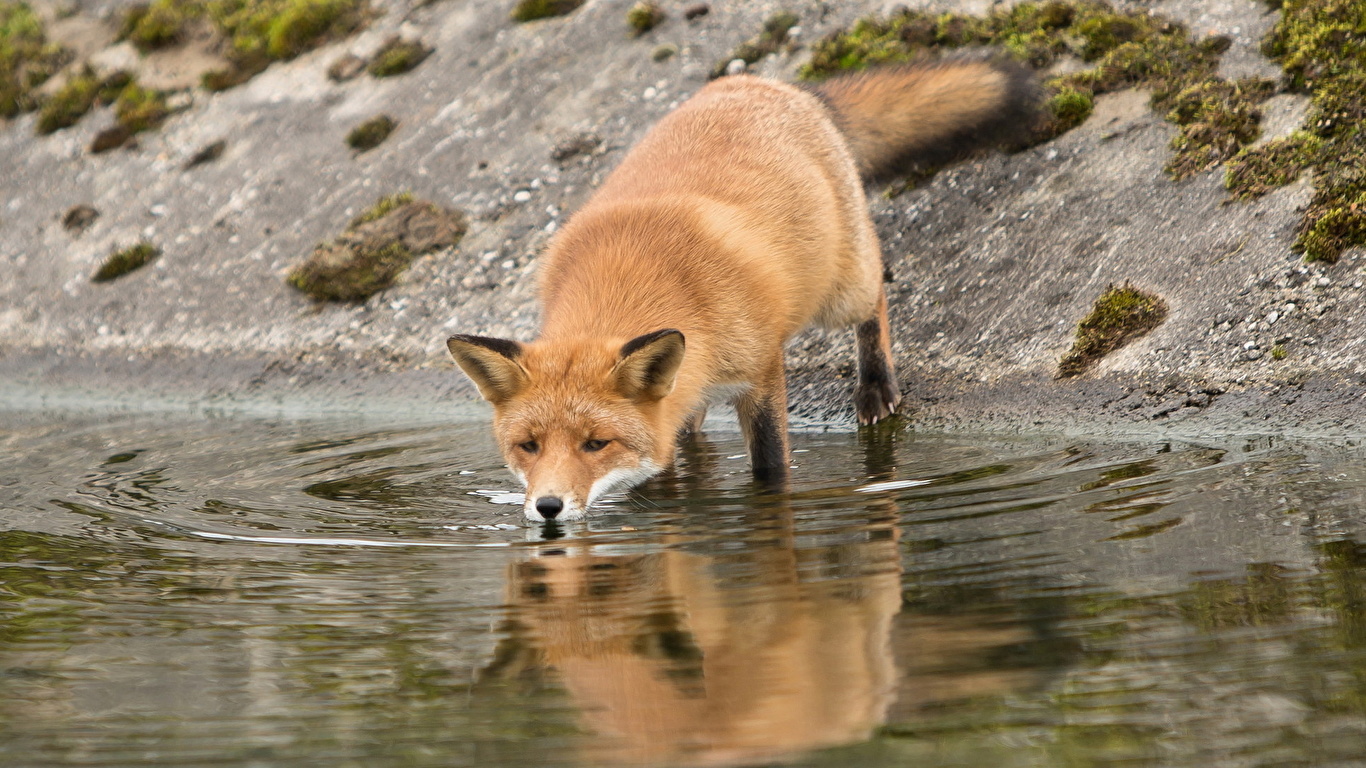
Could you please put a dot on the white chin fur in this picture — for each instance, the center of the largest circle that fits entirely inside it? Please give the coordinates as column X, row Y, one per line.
column 615, row 480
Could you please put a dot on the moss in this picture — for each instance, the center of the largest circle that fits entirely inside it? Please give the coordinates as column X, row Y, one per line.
column 27, row 59
column 398, row 56
column 1278, row 352
column 70, row 103
column 1119, row 316
column 1257, row 170
column 530, row 10
column 664, row 52
column 1217, row 118
column 360, row 274
column 140, row 109
column 770, row 40
column 125, row 260
column 282, row 29
column 109, row 139
column 1320, row 46
column 78, row 218
column 161, row 24
column 371, row 133
column 375, row 249
column 382, row 207
column 1067, row 109
column 644, row 16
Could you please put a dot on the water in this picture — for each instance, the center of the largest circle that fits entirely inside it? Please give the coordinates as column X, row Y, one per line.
column 179, row 591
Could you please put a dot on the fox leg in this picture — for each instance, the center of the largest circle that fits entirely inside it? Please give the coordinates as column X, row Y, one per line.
column 877, row 393
column 763, row 420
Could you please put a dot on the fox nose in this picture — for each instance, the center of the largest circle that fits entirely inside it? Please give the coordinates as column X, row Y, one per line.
column 549, row 506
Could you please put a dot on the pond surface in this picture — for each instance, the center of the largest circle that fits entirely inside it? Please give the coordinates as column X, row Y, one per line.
column 185, row 591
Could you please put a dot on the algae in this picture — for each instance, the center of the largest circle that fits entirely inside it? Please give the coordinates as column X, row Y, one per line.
column 376, row 247
column 258, row 32
column 371, row 133
column 644, row 16
column 1120, row 315
column 1125, row 48
column 1320, row 46
column 160, row 24
column 27, row 58
column 398, row 56
column 770, row 40
column 531, row 10
column 125, row 260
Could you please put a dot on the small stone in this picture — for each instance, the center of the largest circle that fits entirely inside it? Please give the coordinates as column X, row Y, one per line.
column 79, row 217
column 1253, row 354
column 1198, row 400
column 347, row 67
column 649, row 93
column 1250, row 345
column 521, row 196
column 206, row 154
column 736, row 67
column 1273, row 316
column 581, row 144
column 696, row 11
column 664, row 52
column 1324, row 282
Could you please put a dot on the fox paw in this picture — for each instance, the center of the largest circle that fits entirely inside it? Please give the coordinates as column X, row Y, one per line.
column 876, row 400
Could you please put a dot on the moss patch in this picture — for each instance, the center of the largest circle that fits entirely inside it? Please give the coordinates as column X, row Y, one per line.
column 161, row 24
column 644, row 16
column 1258, row 170
column 1321, row 46
column 1119, row 316
column 27, row 59
column 770, row 40
column 1124, row 49
column 258, row 32
column 371, row 133
column 398, row 56
column 376, row 248
column 125, row 260
column 530, row 10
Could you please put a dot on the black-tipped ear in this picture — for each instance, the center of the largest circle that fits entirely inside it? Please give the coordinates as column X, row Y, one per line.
column 491, row 364
column 649, row 364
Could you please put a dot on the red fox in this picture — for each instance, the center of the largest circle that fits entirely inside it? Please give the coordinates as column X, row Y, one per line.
column 737, row 221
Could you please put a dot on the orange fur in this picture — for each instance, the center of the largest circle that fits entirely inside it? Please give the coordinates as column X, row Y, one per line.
column 738, row 220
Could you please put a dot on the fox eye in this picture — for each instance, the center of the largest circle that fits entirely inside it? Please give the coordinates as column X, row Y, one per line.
column 529, row 446
column 593, row 446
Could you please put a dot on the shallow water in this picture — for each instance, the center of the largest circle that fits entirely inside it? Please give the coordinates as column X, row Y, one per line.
column 179, row 591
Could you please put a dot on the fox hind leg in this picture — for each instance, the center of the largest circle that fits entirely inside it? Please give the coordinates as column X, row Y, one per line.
column 877, row 394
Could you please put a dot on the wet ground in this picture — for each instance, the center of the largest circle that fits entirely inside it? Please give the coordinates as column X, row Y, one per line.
column 186, row 590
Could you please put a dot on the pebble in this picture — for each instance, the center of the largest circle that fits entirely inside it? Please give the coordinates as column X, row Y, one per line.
column 1253, row 354
column 521, row 195
column 736, row 67
column 1272, row 317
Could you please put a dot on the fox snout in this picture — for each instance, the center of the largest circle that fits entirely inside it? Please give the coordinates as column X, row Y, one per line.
column 539, row 508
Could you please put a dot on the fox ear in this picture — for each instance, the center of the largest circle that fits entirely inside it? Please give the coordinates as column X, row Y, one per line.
column 491, row 364
column 649, row 364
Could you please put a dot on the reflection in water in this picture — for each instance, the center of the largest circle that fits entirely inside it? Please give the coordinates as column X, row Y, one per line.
column 912, row 601
column 711, row 657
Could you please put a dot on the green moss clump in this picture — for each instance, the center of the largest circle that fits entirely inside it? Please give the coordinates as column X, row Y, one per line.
column 1278, row 352
column 261, row 31
column 1257, row 170
column 70, row 103
column 371, row 133
column 770, row 40
column 125, row 260
column 398, row 56
column 644, row 16
column 161, row 24
column 531, row 10
column 348, row 274
column 1217, row 118
column 382, row 207
column 375, row 249
column 1119, row 316
column 27, row 59
column 1321, row 47
column 141, row 109
column 1067, row 109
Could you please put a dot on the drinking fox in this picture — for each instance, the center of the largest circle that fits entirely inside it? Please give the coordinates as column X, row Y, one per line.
column 737, row 221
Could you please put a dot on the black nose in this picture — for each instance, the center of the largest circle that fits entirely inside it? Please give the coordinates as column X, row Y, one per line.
column 549, row 506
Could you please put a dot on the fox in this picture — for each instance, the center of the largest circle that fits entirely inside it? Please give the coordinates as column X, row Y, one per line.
column 737, row 221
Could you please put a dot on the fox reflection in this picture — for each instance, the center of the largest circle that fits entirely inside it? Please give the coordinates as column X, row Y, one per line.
column 684, row 657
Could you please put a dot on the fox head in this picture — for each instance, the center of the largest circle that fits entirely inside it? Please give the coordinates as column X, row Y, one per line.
column 577, row 418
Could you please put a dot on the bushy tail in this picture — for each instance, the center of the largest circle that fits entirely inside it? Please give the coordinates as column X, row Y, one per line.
column 926, row 113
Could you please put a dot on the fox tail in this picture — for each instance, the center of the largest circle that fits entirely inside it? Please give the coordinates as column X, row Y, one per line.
column 927, row 113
